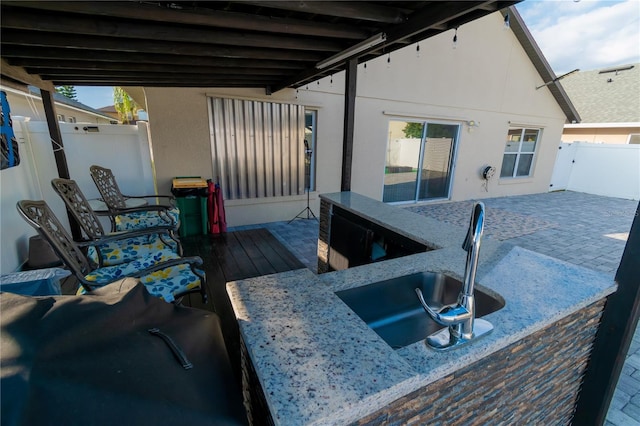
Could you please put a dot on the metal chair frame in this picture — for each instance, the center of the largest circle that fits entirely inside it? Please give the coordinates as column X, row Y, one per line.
column 116, row 201
column 79, row 207
column 39, row 215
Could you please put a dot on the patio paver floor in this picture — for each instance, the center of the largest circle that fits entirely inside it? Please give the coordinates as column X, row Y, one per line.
column 582, row 229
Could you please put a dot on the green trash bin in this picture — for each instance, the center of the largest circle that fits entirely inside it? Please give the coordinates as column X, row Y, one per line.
column 191, row 199
column 193, row 215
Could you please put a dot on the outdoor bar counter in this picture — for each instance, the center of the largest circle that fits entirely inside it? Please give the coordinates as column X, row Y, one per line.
column 311, row 360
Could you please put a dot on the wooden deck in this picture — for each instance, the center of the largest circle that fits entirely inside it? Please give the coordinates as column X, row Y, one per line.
column 235, row 256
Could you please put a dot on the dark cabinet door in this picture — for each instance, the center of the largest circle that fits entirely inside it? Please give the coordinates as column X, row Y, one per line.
column 350, row 244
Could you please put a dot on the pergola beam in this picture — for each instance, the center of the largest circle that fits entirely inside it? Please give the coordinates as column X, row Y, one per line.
column 350, row 89
column 57, row 146
column 352, row 9
column 198, row 16
column 74, row 25
column 90, row 68
column 38, row 56
column 615, row 333
column 21, row 75
column 44, row 39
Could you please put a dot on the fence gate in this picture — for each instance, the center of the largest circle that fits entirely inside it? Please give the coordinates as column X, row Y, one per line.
column 562, row 168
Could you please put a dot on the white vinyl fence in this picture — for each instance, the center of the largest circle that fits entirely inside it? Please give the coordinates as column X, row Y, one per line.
column 124, row 149
column 601, row 169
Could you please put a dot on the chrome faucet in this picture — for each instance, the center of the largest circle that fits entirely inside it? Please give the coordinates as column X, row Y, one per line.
column 462, row 326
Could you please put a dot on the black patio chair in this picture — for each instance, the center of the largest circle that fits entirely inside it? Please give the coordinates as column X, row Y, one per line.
column 127, row 246
column 122, row 214
column 164, row 274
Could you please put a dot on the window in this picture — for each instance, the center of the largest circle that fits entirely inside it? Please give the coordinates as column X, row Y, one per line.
column 419, row 163
column 258, row 148
column 634, row 139
column 310, row 126
column 71, row 119
column 61, row 117
column 519, row 152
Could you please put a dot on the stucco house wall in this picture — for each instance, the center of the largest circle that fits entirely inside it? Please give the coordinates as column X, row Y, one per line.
column 600, row 134
column 181, row 142
column 487, row 78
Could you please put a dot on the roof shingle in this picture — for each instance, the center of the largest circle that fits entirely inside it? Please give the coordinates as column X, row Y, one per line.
column 606, row 96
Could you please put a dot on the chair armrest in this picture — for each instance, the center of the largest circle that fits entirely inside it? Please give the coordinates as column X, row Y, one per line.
column 123, row 235
column 171, row 198
column 152, row 207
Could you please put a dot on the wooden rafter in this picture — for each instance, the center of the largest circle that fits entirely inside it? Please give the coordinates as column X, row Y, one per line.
column 270, row 44
column 73, row 26
column 201, row 17
column 367, row 11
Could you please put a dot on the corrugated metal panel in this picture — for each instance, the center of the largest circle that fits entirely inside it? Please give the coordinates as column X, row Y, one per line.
column 257, row 148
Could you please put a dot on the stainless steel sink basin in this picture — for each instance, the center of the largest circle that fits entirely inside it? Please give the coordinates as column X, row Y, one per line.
column 392, row 309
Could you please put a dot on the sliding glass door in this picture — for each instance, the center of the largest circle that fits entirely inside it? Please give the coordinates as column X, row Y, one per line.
column 419, row 160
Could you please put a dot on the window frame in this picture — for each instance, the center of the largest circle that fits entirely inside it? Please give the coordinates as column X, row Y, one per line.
column 519, row 152
column 453, row 154
column 313, row 147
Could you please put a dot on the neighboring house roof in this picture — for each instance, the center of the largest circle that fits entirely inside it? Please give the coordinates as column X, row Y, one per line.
column 610, row 95
column 540, row 63
column 111, row 109
column 57, row 97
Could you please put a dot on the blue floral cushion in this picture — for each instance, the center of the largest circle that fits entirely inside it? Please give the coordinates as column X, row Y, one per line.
column 170, row 282
column 165, row 283
column 147, row 219
column 108, row 274
column 127, row 250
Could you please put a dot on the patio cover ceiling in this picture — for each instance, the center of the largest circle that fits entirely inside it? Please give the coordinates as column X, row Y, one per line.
column 269, row 44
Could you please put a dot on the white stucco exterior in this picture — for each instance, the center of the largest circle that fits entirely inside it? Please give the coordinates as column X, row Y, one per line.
column 487, row 79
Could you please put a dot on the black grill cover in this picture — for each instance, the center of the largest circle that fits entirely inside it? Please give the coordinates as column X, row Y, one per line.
column 90, row 360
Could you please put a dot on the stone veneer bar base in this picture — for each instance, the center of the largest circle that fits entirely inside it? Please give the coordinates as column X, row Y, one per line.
column 323, row 237
column 252, row 394
column 533, row 381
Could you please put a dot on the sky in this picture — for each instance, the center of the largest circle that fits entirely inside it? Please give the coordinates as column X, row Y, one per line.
column 95, row 97
column 584, row 34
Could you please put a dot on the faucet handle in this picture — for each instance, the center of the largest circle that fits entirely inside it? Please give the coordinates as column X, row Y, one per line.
column 477, row 217
column 448, row 315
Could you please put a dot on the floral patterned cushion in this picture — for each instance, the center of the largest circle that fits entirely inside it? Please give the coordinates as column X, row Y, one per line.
column 127, row 250
column 108, row 274
column 143, row 220
column 165, row 283
column 170, row 282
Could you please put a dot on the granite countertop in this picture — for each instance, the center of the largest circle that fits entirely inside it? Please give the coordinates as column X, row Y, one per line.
column 319, row 363
column 428, row 231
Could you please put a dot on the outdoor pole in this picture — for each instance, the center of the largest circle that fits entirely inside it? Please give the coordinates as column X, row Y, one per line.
column 616, row 330
column 58, row 152
column 307, row 184
column 349, row 120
